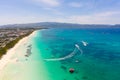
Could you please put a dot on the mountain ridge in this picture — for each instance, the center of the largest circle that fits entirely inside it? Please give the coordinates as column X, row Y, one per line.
column 57, row 24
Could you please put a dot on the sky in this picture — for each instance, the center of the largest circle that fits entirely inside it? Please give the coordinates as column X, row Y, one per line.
column 67, row 11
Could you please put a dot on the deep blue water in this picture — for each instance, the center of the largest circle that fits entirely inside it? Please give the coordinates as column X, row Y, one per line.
column 100, row 59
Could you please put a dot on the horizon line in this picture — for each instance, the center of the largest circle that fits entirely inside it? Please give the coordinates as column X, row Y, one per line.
column 56, row 22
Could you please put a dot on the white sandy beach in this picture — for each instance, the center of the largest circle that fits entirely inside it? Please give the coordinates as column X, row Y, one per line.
column 15, row 66
column 7, row 57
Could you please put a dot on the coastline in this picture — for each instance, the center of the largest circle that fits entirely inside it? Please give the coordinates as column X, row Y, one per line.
column 59, row 44
column 20, row 67
column 11, row 44
column 6, row 58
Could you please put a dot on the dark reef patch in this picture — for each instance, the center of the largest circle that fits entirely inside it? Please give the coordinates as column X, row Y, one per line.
column 85, row 77
column 64, row 68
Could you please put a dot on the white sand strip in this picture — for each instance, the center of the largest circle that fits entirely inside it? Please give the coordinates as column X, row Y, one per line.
column 7, row 57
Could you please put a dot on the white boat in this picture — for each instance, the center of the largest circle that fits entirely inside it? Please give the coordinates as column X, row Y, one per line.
column 84, row 43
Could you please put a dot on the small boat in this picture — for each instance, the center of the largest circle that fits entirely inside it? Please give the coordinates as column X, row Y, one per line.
column 84, row 43
column 77, row 46
column 71, row 70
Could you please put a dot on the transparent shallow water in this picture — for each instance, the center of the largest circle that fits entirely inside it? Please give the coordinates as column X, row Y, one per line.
column 100, row 59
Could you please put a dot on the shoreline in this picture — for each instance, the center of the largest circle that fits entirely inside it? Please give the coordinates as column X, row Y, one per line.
column 11, row 44
column 6, row 58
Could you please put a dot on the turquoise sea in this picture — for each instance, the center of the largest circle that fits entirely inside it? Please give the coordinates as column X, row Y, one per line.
column 99, row 59
column 93, row 53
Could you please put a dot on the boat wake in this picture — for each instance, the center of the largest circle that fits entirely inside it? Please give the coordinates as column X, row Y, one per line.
column 77, row 48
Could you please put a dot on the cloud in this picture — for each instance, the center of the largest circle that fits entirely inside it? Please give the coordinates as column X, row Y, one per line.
column 98, row 18
column 20, row 19
column 75, row 4
column 47, row 3
column 107, row 14
column 108, row 17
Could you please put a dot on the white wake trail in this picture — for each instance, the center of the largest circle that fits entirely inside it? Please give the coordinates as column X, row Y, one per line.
column 68, row 56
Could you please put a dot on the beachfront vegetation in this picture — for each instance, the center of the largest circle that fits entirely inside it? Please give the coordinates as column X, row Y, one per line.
column 11, row 44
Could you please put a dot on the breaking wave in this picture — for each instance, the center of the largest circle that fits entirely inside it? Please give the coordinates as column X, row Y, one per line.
column 76, row 49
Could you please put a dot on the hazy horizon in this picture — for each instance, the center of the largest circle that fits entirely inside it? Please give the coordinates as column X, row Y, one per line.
column 65, row 11
column 52, row 22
